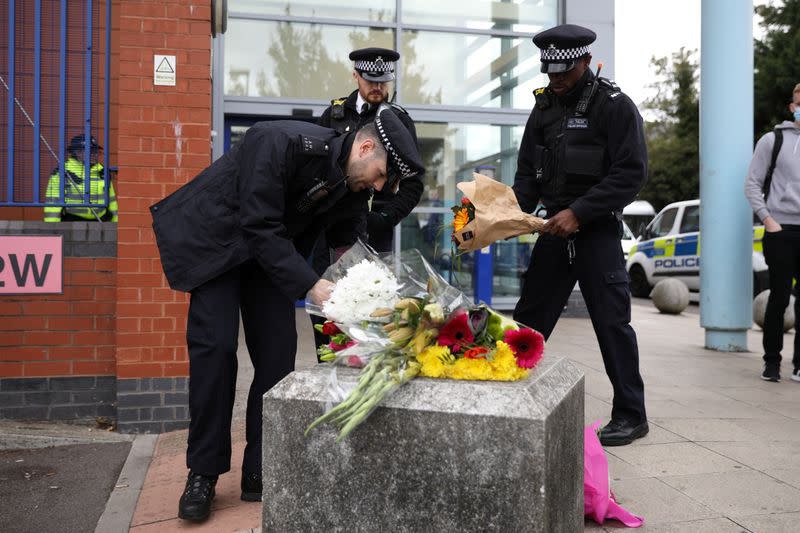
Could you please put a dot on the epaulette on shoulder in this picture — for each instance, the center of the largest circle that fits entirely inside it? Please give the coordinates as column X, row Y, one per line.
column 314, row 145
column 398, row 107
column 542, row 97
column 609, row 85
column 338, row 101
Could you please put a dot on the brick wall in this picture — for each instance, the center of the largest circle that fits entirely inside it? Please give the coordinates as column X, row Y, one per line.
column 57, row 353
column 164, row 139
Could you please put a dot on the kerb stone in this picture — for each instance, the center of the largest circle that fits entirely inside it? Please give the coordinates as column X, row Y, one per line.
column 438, row 455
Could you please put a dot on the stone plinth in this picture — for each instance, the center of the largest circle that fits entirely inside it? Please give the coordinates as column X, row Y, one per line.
column 439, row 455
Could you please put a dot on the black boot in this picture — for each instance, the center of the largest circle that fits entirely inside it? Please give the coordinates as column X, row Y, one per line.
column 251, row 487
column 195, row 502
column 622, row 432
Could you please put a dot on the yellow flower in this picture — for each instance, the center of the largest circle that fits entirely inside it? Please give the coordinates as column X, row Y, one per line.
column 461, row 219
column 431, row 361
column 502, row 368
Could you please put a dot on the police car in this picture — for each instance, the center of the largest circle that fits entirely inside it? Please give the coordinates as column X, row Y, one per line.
column 670, row 247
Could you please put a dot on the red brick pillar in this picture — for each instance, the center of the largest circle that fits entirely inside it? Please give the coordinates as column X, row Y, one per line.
column 164, row 139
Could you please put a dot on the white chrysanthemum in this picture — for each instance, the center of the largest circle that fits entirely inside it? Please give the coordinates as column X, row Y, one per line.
column 366, row 287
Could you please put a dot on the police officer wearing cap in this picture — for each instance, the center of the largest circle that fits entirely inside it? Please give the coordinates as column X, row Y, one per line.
column 75, row 187
column 583, row 156
column 237, row 237
column 373, row 69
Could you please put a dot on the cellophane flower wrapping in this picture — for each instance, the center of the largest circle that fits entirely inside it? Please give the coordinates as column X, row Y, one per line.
column 396, row 318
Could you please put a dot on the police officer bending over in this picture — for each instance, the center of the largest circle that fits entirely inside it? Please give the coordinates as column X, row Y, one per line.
column 237, row 237
column 583, row 156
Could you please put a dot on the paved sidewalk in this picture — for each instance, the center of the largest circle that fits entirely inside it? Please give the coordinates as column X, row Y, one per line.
column 723, row 454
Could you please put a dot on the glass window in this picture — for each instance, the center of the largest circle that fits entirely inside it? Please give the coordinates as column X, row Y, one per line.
column 469, row 70
column 286, row 59
column 663, row 223
column 691, row 219
column 520, row 15
column 379, row 10
column 451, row 153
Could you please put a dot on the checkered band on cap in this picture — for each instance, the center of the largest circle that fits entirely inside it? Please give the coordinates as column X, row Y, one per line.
column 551, row 53
column 379, row 65
column 399, row 163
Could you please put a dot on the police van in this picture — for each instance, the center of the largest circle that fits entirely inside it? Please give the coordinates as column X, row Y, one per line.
column 669, row 247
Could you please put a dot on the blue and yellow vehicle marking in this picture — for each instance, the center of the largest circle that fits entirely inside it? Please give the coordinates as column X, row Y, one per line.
column 684, row 245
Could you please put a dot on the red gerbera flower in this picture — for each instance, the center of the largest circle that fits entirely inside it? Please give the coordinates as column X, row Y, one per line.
column 527, row 345
column 456, row 331
column 330, row 328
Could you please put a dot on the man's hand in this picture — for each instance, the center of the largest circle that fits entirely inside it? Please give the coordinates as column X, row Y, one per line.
column 771, row 226
column 562, row 224
column 321, row 292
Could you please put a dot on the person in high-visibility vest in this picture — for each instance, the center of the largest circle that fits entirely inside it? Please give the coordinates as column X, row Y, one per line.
column 75, row 188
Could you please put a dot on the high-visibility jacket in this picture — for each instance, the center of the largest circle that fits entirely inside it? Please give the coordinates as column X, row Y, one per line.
column 74, row 191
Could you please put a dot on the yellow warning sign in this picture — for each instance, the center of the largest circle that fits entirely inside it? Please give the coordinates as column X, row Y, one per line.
column 163, row 70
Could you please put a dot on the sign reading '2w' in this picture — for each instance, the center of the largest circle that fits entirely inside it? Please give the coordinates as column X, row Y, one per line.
column 31, row 264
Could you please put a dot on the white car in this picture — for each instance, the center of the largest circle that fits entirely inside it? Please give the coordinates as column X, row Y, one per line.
column 670, row 247
column 628, row 240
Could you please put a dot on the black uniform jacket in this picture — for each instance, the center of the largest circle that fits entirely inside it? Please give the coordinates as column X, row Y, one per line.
column 621, row 134
column 392, row 206
column 245, row 205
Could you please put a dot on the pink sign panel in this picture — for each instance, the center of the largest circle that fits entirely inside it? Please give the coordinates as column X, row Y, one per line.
column 31, row 264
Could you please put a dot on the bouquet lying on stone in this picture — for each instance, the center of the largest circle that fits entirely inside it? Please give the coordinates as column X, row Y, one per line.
column 397, row 319
column 489, row 212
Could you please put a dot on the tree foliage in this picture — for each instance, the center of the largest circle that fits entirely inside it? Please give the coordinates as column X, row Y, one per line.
column 673, row 134
column 777, row 63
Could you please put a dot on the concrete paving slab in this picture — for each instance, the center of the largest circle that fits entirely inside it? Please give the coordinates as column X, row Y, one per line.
column 674, row 459
column 775, row 523
column 659, row 503
column 707, row 429
column 714, row 525
column 760, row 455
column 790, row 476
column 737, row 494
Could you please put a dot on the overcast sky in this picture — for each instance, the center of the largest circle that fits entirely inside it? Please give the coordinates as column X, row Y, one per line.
column 647, row 28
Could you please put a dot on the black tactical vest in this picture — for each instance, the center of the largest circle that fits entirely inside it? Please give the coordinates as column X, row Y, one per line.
column 572, row 158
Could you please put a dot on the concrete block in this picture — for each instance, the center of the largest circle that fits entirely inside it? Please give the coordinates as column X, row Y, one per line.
column 670, row 296
column 438, row 455
column 760, row 309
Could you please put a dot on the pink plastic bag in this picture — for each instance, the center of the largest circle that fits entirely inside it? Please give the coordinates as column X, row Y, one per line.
column 598, row 500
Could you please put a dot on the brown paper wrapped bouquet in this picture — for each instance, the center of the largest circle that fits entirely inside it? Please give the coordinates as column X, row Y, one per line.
column 489, row 212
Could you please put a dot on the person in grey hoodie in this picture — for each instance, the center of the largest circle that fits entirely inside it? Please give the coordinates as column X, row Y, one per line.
column 780, row 212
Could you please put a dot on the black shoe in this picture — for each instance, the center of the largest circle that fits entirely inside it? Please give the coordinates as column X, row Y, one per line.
column 622, row 432
column 251, row 487
column 195, row 502
column 771, row 372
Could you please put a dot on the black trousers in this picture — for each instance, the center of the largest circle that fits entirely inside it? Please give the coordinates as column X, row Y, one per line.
column 212, row 334
column 782, row 253
column 599, row 267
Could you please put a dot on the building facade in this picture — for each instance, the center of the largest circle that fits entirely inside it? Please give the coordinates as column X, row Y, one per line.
column 112, row 344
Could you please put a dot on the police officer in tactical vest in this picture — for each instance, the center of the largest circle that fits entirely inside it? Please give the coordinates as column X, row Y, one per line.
column 373, row 70
column 583, row 156
column 237, row 237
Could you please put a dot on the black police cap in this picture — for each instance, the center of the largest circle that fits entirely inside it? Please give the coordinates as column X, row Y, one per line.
column 78, row 143
column 374, row 64
column 401, row 148
column 562, row 46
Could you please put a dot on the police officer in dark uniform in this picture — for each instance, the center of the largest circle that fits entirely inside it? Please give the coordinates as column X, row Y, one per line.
column 373, row 69
column 237, row 237
column 583, row 156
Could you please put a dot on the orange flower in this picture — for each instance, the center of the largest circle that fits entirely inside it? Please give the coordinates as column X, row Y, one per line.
column 461, row 219
column 476, row 353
